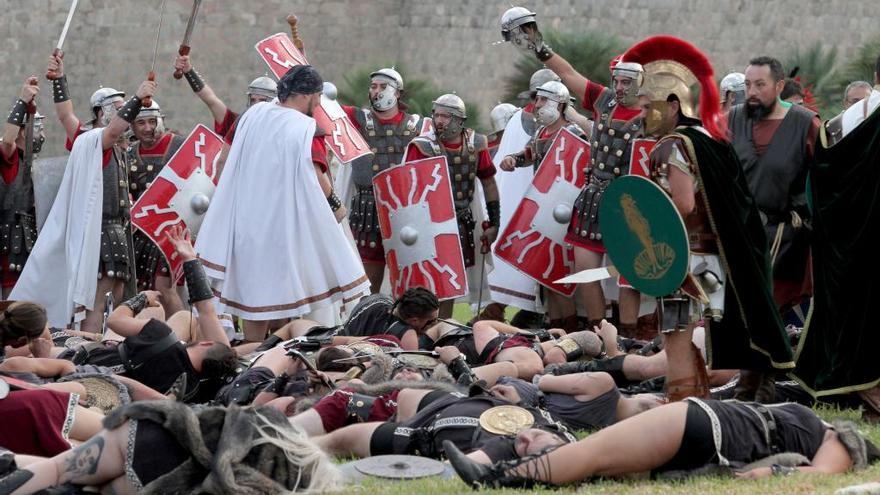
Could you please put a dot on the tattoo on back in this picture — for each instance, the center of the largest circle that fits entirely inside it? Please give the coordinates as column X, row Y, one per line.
column 83, row 460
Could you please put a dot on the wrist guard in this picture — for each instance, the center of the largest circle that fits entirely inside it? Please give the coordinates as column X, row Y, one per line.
column 461, row 372
column 137, row 303
column 334, row 201
column 279, row 384
column 197, row 282
column 542, row 50
column 493, row 209
column 129, row 111
column 195, row 80
column 18, row 113
column 59, row 90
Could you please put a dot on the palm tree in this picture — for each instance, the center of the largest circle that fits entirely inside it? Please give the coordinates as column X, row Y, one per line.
column 818, row 69
column 418, row 93
column 589, row 53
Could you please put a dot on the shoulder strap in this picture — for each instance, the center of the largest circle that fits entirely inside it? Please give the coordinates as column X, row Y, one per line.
column 368, row 119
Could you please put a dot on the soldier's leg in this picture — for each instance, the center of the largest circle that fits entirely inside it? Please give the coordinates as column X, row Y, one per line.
column 376, row 273
column 629, row 302
column 561, row 311
column 592, row 294
column 94, row 321
column 446, row 309
column 685, row 369
column 5, row 293
column 254, row 330
column 170, row 298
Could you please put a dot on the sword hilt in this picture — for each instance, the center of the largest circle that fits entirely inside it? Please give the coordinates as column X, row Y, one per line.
column 32, row 105
column 151, row 76
column 183, row 50
column 484, row 241
column 51, row 74
column 292, row 20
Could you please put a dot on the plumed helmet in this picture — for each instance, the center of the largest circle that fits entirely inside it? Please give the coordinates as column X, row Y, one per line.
column 263, row 86
column 391, row 75
column 500, row 115
column 451, row 103
column 105, row 96
column 554, row 91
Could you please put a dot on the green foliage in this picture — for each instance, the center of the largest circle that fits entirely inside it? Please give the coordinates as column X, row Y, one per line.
column 588, row 52
column 818, row 68
column 418, row 93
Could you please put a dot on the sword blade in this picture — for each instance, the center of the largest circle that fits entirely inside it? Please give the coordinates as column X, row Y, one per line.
column 66, row 24
column 158, row 33
column 190, row 24
column 591, row 275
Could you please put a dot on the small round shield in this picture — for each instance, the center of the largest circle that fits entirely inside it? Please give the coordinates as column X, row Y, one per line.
column 418, row 360
column 506, row 420
column 399, row 467
column 365, row 348
column 644, row 235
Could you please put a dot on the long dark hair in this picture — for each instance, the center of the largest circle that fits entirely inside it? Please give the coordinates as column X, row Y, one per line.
column 22, row 319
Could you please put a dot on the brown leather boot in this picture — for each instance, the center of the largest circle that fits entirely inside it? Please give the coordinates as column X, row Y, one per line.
column 692, row 386
column 755, row 386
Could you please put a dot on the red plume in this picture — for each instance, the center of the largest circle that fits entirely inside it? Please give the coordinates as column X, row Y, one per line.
column 665, row 47
column 809, row 97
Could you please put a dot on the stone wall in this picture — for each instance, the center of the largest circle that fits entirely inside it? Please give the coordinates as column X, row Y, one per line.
column 450, row 43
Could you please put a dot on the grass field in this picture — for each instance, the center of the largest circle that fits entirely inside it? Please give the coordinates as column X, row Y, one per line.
column 792, row 485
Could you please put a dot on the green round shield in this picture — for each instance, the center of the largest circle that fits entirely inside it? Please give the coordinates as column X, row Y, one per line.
column 644, row 235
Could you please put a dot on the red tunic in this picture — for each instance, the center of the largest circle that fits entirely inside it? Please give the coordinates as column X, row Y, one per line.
column 9, row 166
column 333, row 408
column 221, row 128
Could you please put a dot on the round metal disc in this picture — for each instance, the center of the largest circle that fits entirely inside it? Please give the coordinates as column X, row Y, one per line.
column 418, row 360
column 506, row 420
column 399, row 467
column 368, row 348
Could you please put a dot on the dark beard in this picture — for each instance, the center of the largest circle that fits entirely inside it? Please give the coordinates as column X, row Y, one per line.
column 759, row 111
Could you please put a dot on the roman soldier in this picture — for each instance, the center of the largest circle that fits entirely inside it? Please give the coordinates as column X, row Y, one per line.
column 551, row 102
column 696, row 165
column 59, row 288
column 145, row 157
column 17, row 214
column 388, row 129
column 618, row 121
column 467, row 156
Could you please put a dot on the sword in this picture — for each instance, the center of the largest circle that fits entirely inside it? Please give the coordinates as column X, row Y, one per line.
column 190, row 24
column 484, row 249
column 151, row 76
column 57, row 51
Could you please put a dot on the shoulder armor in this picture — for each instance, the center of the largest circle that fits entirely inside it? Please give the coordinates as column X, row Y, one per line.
column 412, row 122
column 832, row 131
column 426, row 146
column 369, row 123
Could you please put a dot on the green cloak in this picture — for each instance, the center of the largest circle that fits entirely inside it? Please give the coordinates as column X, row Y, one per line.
column 837, row 351
column 751, row 334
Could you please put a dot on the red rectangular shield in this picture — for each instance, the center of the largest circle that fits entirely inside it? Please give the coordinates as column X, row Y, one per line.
column 342, row 137
column 640, row 163
column 179, row 193
column 533, row 241
column 419, row 228
column 280, row 54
